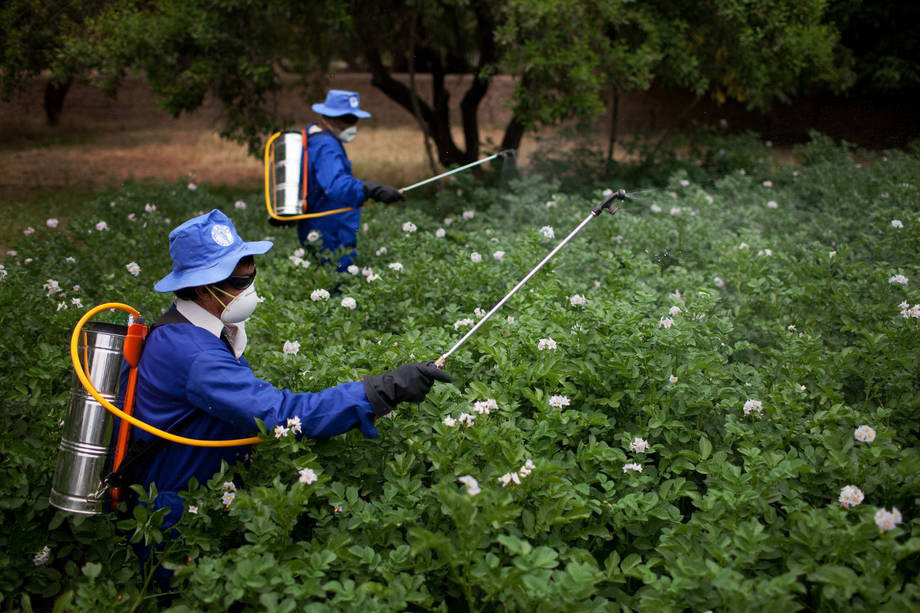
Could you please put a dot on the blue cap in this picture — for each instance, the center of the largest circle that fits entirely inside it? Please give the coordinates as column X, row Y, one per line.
column 340, row 102
column 205, row 250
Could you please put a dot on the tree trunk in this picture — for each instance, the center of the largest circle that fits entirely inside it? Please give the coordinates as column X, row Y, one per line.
column 436, row 116
column 614, row 122
column 55, row 93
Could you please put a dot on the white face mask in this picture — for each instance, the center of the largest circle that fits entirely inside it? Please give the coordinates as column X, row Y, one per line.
column 348, row 134
column 241, row 307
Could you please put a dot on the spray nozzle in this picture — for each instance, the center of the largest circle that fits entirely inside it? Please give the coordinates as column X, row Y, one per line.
column 608, row 205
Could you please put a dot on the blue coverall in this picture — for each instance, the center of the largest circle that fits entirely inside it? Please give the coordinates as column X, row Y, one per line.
column 187, row 369
column 332, row 186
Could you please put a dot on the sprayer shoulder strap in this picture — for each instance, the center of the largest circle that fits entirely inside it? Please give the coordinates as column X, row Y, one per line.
column 141, row 452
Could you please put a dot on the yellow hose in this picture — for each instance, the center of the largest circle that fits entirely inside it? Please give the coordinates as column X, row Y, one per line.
column 79, row 370
column 269, row 162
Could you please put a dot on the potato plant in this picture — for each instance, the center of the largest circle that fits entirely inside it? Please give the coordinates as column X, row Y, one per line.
column 706, row 402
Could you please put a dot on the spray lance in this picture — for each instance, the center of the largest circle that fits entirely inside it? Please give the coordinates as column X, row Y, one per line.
column 606, row 205
column 286, row 188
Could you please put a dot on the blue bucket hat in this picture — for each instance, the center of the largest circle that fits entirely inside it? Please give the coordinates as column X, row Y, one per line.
column 340, row 102
column 205, row 250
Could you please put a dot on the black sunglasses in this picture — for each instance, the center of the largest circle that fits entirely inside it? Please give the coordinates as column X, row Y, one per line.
column 241, row 282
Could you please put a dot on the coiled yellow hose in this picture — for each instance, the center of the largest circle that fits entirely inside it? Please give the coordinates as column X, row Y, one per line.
column 88, row 385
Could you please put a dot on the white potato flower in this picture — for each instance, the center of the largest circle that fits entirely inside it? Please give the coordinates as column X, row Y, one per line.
column 319, row 294
column 851, row 496
column 472, row 486
column 306, row 476
column 864, row 434
column 558, row 402
column 348, row 302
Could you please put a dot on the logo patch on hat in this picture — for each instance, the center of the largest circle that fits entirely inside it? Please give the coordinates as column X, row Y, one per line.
column 222, row 235
column 353, row 101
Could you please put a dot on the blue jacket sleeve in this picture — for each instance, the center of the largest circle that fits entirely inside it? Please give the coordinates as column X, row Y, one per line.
column 334, row 176
column 229, row 391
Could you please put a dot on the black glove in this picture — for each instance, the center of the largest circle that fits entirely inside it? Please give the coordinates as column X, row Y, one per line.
column 382, row 193
column 408, row 383
column 281, row 223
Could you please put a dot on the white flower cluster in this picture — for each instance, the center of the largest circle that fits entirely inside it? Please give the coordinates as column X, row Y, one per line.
column 349, row 302
column 499, row 256
column 291, row 347
column 397, row 266
column 672, row 379
column 472, row 486
column 313, row 236
column 773, row 204
column 546, row 343
column 306, row 476
column 676, row 210
column 550, row 204
column 632, row 466
column 102, row 226
column 577, row 300
column 639, row 445
column 440, row 232
column 466, row 215
column 864, row 434
column 318, row 295
column 229, row 493
column 465, row 419
column 547, row 232
column 42, row 557
column 133, row 268
column 753, row 406
column 888, row 520
column 239, row 204
column 475, row 258
column 353, row 270
column 479, row 313
column 150, row 208
column 515, row 477
column 52, row 222
column 899, row 279
column 896, row 223
column 52, row 287
column 3, row 272
column 718, row 282
column 765, row 252
column 463, row 323
column 296, row 258
column 484, row 407
column 665, row 322
column 381, row 251
column 409, row 227
column 655, row 208
column 29, row 230
column 908, row 311
column 293, row 425
column 558, row 402
column 851, row 496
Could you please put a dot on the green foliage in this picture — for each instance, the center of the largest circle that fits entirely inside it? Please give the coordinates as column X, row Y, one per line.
column 791, row 306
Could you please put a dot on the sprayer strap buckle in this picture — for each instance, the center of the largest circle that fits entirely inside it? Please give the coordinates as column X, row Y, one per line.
column 99, row 494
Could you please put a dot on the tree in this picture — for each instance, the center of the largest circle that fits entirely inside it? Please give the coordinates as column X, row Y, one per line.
column 32, row 35
column 564, row 54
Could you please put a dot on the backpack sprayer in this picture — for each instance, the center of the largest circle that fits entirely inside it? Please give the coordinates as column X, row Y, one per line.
column 80, row 482
column 286, row 169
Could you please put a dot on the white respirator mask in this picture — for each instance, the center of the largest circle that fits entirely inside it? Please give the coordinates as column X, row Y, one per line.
column 348, row 134
column 241, row 307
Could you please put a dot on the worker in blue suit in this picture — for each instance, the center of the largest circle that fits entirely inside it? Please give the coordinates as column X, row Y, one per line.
column 193, row 380
column 331, row 184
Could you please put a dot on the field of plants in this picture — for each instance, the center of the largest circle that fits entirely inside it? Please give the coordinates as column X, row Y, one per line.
column 709, row 401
